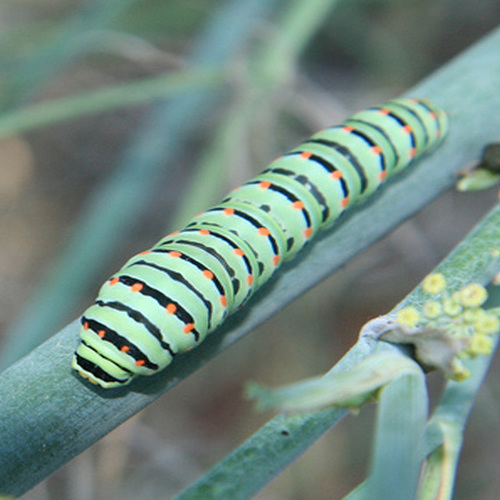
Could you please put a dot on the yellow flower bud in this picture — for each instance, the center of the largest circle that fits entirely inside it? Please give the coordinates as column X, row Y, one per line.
column 408, row 316
column 487, row 324
column 434, row 283
column 480, row 345
column 473, row 295
column 470, row 316
column 451, row 307
column 459, row 371
column 432, row 309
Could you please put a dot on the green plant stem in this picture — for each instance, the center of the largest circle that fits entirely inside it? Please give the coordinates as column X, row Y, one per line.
column 444, row 434
column 264, row 455
column 440, row 471
column 399, row 433
column 104, row 100
column 446, row 427
column 298, row 24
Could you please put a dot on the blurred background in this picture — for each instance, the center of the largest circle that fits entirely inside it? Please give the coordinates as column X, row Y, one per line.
column 273, row 88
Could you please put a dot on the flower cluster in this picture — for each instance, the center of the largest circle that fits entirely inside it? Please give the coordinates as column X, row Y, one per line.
column 458, row 314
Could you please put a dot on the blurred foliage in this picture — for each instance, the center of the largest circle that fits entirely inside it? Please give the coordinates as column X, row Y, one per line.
column 365, row 51
column 164, row 22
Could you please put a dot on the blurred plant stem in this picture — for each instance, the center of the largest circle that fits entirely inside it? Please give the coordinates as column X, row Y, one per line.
column 267, row 72
column 70, row 38
column 104, row 100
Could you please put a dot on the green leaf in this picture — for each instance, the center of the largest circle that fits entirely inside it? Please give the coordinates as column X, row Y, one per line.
column 399, row 434
column 347, row 389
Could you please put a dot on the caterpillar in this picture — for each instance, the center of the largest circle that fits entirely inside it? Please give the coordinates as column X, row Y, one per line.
column 166, row 300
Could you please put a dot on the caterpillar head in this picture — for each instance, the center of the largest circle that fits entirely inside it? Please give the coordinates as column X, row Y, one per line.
column 97, row 369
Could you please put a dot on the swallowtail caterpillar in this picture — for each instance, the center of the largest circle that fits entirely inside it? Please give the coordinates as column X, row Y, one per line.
column 166, row 300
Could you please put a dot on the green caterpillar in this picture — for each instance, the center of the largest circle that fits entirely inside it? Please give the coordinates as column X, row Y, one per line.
column 166, row 300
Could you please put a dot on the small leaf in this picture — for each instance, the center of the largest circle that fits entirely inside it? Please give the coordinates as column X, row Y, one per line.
column 349, row 389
